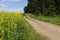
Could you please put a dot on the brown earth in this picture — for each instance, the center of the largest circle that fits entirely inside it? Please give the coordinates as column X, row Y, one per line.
column 46, row 30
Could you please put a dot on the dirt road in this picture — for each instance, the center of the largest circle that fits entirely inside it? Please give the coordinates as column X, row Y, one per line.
column 46, row 30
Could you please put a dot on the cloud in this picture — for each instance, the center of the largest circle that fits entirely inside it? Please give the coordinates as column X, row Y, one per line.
column 2, row 6
column 14, row 0
column 6, row 7
column 11, row 10
column 10, row 0
column 2, row 1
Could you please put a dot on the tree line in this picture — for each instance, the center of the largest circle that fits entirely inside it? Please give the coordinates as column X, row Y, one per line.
column 43, row 7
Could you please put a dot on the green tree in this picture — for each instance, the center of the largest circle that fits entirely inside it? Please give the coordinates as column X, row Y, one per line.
column 43, row 7
column 50, row 8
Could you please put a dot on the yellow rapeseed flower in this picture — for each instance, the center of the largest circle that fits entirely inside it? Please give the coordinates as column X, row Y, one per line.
column 8, row 29
column 1, row 38
column 2, row 31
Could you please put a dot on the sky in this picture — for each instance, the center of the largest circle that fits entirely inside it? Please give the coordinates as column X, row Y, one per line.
column 13, row 5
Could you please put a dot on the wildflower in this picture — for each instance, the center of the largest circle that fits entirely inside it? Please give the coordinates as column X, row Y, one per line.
column 2, row 31
column 1, row 38
column 15, row 25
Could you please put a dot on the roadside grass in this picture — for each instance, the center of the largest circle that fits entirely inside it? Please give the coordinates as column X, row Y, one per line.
column 13, row 26
column 53, row 20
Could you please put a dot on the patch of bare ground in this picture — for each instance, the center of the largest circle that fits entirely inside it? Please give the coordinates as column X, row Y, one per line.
column 46, row 30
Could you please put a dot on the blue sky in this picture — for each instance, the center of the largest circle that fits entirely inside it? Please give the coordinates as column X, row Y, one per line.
column 13, row 5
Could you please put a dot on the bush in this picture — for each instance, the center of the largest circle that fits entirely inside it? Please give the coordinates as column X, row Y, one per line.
column 51, row 19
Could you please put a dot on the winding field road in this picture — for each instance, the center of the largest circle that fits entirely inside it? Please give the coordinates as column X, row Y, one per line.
column 46, row 30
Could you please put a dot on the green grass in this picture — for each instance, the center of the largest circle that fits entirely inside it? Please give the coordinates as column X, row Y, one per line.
column 53, row 20
column 13, row 26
